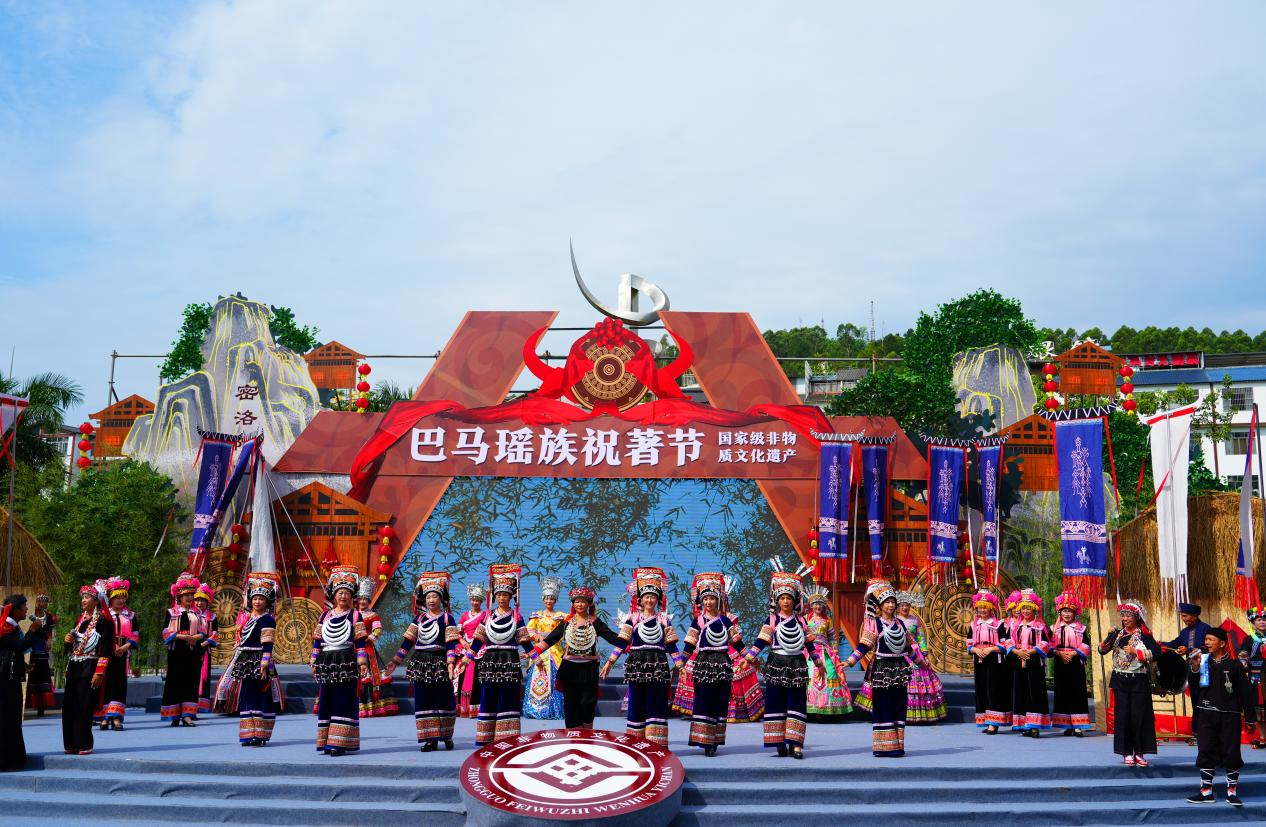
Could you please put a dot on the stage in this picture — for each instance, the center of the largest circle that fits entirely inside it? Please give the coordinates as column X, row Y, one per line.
column 952, row 774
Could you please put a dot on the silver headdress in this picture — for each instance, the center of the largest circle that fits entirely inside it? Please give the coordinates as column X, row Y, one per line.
column 915, row 599
column 551, row 587
column 476, row 591
column 365, row 588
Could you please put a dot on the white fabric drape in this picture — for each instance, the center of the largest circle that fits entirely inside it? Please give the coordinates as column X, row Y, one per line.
column 1170, row 441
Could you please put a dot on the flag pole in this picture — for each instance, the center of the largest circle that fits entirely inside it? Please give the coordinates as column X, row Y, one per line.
column 13, row 474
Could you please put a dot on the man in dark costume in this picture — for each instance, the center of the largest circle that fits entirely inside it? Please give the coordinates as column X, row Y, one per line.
column 1221, row 690
column 12, row 672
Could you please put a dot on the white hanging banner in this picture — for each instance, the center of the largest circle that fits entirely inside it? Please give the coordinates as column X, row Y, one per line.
column 1170, row 442
column 262, row 555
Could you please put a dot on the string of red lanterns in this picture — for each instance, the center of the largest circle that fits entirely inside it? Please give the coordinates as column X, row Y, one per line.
column 1130, row 405
column 234, row 563
column 1050, row 386
column 362, row 388
column 385, row 535
column 85, row 446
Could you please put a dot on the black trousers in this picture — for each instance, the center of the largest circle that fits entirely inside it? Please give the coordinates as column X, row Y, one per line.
column 12, row 746
column 578, row 681
column 1134, row 727
column 79, row 704
column 1218, row 740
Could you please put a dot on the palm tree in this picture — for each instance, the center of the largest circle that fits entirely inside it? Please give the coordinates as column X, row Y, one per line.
column 50, row 394
column 380, row 398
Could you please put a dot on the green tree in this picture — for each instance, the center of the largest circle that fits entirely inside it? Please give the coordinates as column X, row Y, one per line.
column 982, row 318
column 185, row 355
column 916, row 404
column 109, row 522
column 49, row 395
column 287, row 333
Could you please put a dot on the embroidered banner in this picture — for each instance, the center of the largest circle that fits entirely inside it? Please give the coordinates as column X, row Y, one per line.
column 1082, row 508
column 875, row 480
column 215, row 455
column 989, row 466
column 244, row 464
column 945, row 482
column 834, row 483
column 1245, row 581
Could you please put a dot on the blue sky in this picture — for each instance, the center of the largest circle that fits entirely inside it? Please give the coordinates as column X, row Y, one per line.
column 384, row 167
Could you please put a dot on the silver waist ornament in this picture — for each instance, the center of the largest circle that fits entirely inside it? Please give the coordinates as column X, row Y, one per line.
column 650, row 632
column 580, row 637
column 789, row 637
column 500, row 630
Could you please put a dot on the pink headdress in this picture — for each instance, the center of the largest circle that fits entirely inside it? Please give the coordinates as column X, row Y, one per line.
column 1068, row 600
column 984, row 597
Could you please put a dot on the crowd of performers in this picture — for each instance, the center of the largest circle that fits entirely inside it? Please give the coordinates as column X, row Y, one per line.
column 472, row 666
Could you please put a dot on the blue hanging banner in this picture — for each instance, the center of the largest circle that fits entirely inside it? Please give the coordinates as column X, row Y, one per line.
column 215, row 456
column 989, row 466
column 834, row 481
column 875, row 480
column 1082, row 507
column 945, row 484
column 245, row 463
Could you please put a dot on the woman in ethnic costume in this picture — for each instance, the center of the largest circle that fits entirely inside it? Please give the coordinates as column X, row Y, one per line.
column 211, row 627
column 791, row 647
column 1252, row 651
column 986, row 639
column 429, row 652
column 376, row 698
column 126, row 641
column 183, row 636
column 713, row 634
column 540, row 699
column 648, row 636
column 468, row 670
column 251, row 670
column 684, row 692
column 39, row 687
column 1030, row 640
column 90, row 643
column 926, row 702
column 12, row 674
column 894, row 651
column 1132, row 648
column 1070, row 648
column 1011, row 615
column 747, row 699
column 500, row 681
column 829, row 697
column 578, row 673
column 338, row 665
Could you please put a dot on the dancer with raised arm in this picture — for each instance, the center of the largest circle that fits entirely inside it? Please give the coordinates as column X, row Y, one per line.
column 578, row 673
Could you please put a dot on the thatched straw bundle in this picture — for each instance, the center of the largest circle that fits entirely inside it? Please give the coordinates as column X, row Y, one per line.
column 1213, row 537
column 33, row 569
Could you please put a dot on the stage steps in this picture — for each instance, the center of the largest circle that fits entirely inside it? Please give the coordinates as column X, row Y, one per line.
column 763, row 790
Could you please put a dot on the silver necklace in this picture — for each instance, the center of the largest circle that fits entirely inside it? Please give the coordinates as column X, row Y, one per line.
column 650, row 631
column 714, row 633
column 894, row 635
column 428, row 630
column 789, row 635
column 580, row 637
column 500, row 630
column 336, row 630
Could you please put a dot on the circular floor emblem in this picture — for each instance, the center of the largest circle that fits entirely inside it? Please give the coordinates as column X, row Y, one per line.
column 572, row 774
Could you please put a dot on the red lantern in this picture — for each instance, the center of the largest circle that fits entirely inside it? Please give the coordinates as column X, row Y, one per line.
column 85, row 445
column 1127, row 387
column 1051, row 404
column 83, row 462
column 362, row 403
column 86, row 428
column 235, row 565
column 235, row 547
column 1049, row 369
column 1129, row 405
column 363, row 387
column 387, row 532
column 813, row 534
column 384, row 568
column 1050, row 387
column 1127, row 371
column 364, row 369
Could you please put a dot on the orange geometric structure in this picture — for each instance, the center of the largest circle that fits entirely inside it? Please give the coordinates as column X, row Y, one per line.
column 332, row 366
column 1089, row 370
column 1033, row 440
column 115, row 421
